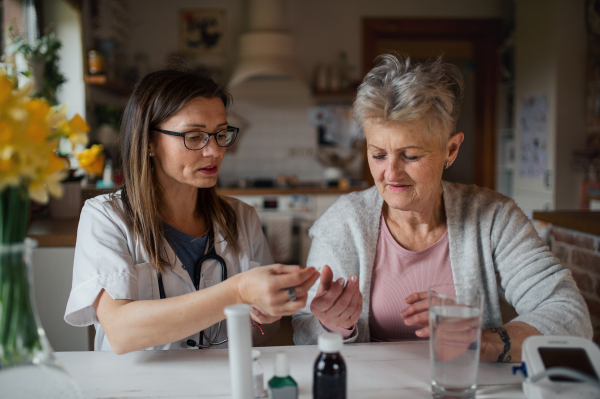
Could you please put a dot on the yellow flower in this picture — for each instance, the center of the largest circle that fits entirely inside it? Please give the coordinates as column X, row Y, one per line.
column 76, row 129
column 92, row 159
column 6, row 132
column 5, row 89
column 29, row 135
column 38, row 109
column 37, row 132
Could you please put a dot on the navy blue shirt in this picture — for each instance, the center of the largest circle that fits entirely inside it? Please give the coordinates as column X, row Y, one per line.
column 187, row 248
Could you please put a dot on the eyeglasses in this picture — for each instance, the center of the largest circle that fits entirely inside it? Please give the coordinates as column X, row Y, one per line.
column 197, row 139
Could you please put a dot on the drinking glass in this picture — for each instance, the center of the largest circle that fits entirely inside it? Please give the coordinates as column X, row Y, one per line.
column 455, row 327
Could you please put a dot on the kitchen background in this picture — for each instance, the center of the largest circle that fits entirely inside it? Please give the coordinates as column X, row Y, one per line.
column 293, row 67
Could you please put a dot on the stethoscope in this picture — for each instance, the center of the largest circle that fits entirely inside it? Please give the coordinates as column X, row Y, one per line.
column 211, row 255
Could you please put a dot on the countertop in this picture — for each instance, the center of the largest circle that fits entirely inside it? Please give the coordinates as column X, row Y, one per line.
column 63, row 232
column 284, row 191
column 54, row 232
column 584, row 221
column 375, row 370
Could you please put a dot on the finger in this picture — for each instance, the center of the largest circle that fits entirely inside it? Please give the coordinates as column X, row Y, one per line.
column 416, row 296
column 256, row 318
column 296, row 278
column 423, row 332
column 416, row 307
column 343, row 300
column 351, row 308
column 356, row 315
column 419, row 319
column 327, row 299
column 291, row 307
column 303, row 289
column 278, row 268
column 326, row 280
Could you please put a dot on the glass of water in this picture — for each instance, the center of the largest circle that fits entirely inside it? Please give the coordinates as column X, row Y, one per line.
column 455, row 336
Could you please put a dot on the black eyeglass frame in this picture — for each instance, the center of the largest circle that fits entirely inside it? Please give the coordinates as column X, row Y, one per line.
column 236, row 130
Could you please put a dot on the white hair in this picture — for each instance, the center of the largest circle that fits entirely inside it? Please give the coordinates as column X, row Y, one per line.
column 398, row 90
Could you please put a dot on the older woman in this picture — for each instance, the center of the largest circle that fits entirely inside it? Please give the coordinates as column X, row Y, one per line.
column 157, row 262
column 414, row 230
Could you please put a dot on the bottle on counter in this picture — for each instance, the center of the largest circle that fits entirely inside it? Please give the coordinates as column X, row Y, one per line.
column 257, row 375
column 329, row 377
column 282, row 385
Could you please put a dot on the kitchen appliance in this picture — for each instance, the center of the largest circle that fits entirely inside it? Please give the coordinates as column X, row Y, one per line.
column 267, row 50
column 285, row 219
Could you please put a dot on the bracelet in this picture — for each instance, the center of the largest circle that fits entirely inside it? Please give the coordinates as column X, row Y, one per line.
column 506, row 339
column 256, row 325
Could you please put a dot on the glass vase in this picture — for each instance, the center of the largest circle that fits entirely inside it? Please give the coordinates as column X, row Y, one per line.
column 28, row 367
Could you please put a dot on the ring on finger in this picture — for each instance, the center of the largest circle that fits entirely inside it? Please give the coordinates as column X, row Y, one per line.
column 292, row 293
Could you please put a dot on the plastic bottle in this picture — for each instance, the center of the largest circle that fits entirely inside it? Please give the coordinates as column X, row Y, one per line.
column 240, row 347
column 258, row 374
column 329, row 377
column 282, row 385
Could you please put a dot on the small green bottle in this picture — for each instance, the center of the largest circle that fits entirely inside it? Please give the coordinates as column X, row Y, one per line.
column 282, row 385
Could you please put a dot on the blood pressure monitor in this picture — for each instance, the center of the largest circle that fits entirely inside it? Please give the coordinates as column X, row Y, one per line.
column 548, row 364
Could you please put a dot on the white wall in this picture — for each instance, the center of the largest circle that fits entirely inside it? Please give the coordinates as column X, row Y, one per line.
column 67, row 25
column 550, row 59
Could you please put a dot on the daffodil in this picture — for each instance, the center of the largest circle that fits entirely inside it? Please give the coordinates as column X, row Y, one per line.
column 92, row 159
column 30, row 130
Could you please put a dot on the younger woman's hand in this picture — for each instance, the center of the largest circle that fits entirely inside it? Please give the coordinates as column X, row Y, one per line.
column 417, row 313
column 261, row 317
column 266, row 288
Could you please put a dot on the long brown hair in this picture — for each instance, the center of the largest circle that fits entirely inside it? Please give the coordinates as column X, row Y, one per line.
column 155, row 98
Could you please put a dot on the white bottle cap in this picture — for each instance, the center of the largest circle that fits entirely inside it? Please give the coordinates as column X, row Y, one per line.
column 255, row 354
column 330, row 342
column 282, row 366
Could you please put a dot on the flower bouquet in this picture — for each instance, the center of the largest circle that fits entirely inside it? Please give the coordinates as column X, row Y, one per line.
column 30, row 130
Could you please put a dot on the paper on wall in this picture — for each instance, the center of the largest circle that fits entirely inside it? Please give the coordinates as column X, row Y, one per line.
column 533, row 133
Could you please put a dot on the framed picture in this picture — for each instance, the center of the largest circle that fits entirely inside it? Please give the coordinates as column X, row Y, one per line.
column 203, row 32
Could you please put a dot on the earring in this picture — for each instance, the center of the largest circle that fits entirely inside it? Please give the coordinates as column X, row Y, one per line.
column 151, row 155
column 447, row 165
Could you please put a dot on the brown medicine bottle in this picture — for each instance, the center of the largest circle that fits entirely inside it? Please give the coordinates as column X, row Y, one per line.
column 329, row 376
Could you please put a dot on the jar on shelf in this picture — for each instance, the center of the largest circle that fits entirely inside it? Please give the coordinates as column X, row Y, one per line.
column 96, row 64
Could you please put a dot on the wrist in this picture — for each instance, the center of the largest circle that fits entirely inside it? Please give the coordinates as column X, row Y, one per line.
column 495, row 345
column 237, row 282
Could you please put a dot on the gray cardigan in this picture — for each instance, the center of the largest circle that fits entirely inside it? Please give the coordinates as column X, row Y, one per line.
column 488, row 234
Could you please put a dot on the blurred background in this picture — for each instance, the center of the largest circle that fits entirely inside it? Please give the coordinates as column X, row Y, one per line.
column 531, row 114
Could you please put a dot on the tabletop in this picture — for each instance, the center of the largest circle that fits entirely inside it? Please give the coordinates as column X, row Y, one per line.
column 375, row 370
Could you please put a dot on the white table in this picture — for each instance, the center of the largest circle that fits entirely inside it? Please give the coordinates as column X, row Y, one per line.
column 376, row 370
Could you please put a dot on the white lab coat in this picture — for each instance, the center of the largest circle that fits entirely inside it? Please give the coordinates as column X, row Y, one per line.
column 107, row 257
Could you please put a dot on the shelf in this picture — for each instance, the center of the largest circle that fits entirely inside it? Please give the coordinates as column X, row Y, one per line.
column 344, row 96
column 113, row 86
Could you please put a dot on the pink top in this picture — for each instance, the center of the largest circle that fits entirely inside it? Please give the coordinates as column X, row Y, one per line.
column 397, row 273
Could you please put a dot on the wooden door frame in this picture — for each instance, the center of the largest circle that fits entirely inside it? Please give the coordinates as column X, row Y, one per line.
column 485, row 36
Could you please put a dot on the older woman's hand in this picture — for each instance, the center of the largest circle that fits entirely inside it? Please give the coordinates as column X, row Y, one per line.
column 335, row 305
column 417, row 313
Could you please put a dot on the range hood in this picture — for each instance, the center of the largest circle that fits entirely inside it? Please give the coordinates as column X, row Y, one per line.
column 267, row 50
